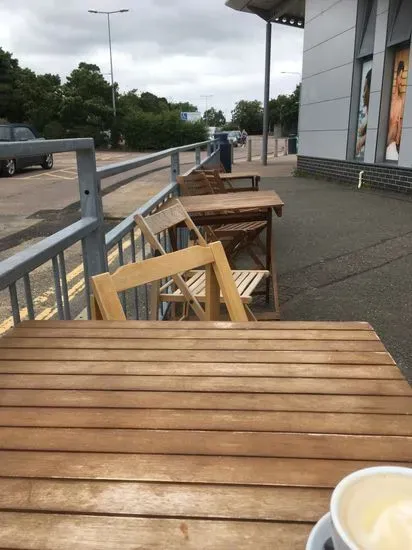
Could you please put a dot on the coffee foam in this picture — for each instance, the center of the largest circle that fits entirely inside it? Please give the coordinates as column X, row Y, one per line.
column 376, row 512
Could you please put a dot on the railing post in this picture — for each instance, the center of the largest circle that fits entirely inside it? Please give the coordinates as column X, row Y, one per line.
column 91, row 206
column 198, row 157
column 210, row 146
column 232, row 152
column 174, row 167
column 249, row 149
column 276, row 147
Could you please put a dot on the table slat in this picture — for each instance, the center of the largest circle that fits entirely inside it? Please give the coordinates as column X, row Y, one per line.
column 338, row 386
column 170, row 419
column 58, row 532
column 165, row 499
column 208, row 401
column 347, row 447
column 226, row 470
column 270, row 370
column 221, row 356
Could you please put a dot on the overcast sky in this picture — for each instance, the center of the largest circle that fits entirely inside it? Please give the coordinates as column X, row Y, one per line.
column 180, row 49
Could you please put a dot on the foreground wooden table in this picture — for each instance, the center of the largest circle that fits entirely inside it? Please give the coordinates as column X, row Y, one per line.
column 141, row 435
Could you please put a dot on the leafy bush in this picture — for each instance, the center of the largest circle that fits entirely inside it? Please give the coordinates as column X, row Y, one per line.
column 157, row 131
column 53, row 130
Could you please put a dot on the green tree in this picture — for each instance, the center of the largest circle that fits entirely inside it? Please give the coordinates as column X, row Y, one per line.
column 284, row 111
column 11, row 107
column 248, row 115
column 212, row 117
column 184, row 107
column 87, row 104
column 146, row 102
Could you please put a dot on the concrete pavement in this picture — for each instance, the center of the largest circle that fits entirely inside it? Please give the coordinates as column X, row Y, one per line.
column 344, row 255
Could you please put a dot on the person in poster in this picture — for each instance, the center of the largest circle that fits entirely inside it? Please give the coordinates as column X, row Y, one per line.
column 397, row 105
column 363, row 112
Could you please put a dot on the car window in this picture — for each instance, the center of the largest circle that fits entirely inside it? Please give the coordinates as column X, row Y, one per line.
column 5, row 134
column 21, row 133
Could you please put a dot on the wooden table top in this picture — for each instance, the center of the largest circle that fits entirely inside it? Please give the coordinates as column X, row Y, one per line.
column 136, row 435
column 230, row 201
column 238, row 175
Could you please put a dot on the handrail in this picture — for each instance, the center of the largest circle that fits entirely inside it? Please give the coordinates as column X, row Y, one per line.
column 15, row 267
column 96, row 247
column 43, row 147
column 123, row 228
column 120, row 167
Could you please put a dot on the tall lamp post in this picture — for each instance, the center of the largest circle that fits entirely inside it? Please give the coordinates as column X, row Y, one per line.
column 109, row 13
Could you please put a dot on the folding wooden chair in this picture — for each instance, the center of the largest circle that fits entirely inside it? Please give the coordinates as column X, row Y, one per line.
column 246, row 281
column 238, row 236
column 106, row 304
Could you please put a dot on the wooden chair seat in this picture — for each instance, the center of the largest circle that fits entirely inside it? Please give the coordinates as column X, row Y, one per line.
column 167, row 220
column 246, row 282
column 241, row 227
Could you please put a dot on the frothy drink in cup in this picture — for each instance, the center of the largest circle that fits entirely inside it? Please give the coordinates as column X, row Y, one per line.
column 374, row 511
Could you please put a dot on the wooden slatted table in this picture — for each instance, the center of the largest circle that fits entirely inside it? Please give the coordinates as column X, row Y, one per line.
column 220, row 436
column 214, row 210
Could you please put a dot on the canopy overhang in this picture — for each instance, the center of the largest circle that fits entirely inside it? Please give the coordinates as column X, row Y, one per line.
column 283, row 12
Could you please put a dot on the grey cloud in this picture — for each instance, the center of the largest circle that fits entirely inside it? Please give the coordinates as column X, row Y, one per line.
column 179, row 48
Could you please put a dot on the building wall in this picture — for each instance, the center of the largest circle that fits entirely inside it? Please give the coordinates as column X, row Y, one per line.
column 332, row 82
column 328, row 65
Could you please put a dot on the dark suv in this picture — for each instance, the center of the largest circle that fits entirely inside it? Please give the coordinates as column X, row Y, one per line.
column 21, row 132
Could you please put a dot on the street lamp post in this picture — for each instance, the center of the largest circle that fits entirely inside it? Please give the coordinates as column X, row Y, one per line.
column 109, row 13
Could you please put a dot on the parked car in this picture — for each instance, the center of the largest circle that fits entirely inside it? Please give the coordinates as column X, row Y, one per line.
column 234, row 137
column 21, row 132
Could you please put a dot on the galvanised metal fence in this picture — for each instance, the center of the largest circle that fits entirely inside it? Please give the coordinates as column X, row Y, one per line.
column 123, row 244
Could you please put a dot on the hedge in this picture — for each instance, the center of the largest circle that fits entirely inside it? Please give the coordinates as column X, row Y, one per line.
column 158, row 131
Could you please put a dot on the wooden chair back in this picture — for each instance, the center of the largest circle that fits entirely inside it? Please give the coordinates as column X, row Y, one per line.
column 195, row 183
column 165, row 220
column 106, row 302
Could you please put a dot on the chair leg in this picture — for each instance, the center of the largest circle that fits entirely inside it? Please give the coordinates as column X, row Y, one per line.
column 250, row 313
column 154, row 300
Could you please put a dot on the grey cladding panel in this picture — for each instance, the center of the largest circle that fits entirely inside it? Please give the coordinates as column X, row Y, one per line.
column 323, row 144
column 336, row 20
column 332, row 84
column 334, row 53
column 331, row 115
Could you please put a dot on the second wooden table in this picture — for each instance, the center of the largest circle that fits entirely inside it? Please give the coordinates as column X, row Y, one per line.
column 246, row 206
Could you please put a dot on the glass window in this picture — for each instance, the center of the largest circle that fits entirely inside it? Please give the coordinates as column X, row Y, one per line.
column 368, row 29
column 22, row 133
column 399, row 85
column 401, row 27
column 5, row 134
column 363, row 110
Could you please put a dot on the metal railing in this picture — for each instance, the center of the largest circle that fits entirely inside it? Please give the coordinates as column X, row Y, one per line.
column 123, row 244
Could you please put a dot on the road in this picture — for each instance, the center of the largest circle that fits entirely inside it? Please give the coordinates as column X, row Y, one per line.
column 37, row 203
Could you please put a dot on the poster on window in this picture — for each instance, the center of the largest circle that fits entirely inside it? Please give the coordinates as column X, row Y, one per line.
column 363, row 110
column 400, row 81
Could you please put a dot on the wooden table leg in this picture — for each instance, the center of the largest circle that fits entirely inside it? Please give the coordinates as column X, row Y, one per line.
column 268, row 251
column 271, row 259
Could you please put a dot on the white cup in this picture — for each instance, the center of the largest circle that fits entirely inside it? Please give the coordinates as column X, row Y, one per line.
column 340, row 538
column 331, row 523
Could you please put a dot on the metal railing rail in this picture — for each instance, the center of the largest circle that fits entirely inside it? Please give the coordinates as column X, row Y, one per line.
column 89, row 230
